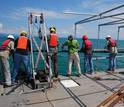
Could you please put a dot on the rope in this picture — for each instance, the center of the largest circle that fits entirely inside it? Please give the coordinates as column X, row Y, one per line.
column 48, row 99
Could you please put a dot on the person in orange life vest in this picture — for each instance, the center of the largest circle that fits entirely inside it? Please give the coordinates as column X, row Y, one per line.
column 87, row 50
column 112, row 48
column 6, row 49
column 22, row 50
column 53, row 49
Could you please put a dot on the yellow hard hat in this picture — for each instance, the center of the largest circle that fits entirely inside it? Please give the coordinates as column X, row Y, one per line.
column 53, row 29
column 23, row 33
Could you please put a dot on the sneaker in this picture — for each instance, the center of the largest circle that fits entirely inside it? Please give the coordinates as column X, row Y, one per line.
column 93, row 73
column 90, row 73
column 108, row 69
column 7, row 85
column 56, row 79
column 68, row 75
column 113, row 70
column 78, row 75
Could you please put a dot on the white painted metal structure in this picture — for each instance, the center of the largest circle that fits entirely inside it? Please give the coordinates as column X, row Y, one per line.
column 37, row 28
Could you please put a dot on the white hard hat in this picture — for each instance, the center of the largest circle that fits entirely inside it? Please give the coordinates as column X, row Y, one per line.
column 10, row 36
column 108, row 36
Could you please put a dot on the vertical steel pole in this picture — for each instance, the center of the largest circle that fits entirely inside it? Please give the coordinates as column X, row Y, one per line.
column 49, row 58
column 118, row 34
column 30, row 34
column 98, row 36
column 75, row 30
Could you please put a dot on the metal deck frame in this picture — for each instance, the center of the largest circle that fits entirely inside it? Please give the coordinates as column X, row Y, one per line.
column 102, row 16
column 119, row 27
column 117, row 22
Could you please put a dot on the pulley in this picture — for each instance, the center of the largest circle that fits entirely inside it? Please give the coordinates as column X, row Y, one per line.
column 30, row 18
column 35, row 19
column 40, row 33
column 41, row 18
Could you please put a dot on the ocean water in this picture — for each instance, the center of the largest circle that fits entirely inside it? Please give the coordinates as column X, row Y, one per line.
column 99, row 65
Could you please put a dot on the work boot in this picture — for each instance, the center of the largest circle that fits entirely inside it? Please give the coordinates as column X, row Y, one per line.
column 90, row 73
column 113, row 70
column 14, row 83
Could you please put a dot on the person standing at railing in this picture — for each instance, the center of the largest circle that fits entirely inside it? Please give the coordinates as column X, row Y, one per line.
column 87, row 50
column 6, row 49
column 21, row 56
column 112, row 49
column 53, row 50
column 73, row 47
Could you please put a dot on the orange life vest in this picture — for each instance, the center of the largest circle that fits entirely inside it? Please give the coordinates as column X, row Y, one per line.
column 88, row 44
column 22, row 42
column 5, row 44
column 53, row 40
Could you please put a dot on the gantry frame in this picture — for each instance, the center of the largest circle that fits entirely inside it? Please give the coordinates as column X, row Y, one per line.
column 99, row 17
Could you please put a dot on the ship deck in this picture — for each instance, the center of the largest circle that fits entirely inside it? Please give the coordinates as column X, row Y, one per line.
column 89, row 93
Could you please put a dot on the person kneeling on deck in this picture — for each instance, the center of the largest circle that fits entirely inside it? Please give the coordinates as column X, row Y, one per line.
column 112, row 48
column 73, row 47
column 22, row 49
column 87, row 50
column 53, row 49
column 6, row 49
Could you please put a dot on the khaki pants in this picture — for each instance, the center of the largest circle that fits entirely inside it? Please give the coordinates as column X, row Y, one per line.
column 74, row 57
column 5, row 68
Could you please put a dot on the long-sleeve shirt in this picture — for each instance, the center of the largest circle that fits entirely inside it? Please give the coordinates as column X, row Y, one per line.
column 73, row 46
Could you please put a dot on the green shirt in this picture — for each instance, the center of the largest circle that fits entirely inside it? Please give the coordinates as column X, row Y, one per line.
column 73, row 46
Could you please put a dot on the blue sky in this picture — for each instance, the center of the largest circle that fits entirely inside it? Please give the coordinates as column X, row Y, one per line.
column 13, row 16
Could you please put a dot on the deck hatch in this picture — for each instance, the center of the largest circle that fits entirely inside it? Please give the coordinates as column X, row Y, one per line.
column 69, row 83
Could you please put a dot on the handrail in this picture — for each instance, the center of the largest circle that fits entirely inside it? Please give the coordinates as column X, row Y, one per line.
column 120, row 50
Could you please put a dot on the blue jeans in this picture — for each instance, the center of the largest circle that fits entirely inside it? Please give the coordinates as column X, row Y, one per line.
column 18, row 59
column 88, row 63
column 112, row 61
